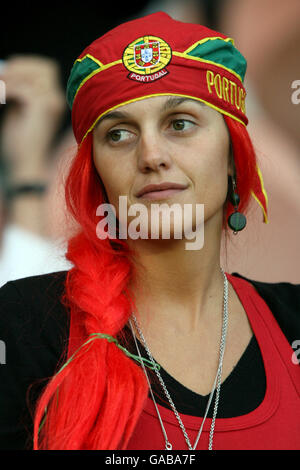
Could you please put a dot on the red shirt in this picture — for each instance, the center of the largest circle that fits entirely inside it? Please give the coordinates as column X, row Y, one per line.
column 273, row 425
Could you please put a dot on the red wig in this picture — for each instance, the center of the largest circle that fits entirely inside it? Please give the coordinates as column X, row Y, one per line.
column 95, row 401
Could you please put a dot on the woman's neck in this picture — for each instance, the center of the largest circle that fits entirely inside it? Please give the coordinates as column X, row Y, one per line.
column 171, row 283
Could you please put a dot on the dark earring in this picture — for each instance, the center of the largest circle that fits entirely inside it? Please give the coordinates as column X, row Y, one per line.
column 236, row 221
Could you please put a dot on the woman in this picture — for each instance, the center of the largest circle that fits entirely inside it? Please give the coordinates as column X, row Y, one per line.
column 146, row 344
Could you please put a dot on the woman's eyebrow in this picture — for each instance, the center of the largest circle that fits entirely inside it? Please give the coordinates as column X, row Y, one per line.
column 172, row 102
column 113, row 115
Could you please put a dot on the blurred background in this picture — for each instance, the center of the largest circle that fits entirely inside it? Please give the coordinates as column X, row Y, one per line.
column 38, row 47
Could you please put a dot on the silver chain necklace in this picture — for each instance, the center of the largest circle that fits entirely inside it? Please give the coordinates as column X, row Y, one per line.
column 217, row 381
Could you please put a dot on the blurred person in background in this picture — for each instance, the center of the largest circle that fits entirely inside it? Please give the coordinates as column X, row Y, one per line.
column 31, row 116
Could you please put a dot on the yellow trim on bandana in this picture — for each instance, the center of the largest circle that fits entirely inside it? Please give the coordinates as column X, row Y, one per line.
column 202, row 41
column 262, row 185
column 266, row 221
column 90, row 57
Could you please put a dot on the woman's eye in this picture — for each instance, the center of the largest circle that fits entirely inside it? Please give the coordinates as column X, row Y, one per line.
column 182, row 124
column 118, row 135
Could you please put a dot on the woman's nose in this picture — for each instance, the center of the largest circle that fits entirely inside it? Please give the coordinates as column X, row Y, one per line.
column 153, row 153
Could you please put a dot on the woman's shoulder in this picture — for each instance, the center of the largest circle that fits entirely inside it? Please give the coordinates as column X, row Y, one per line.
column 283, row 299
column 39, row 282
column 43, row 288
column 31, row 307
column 286, row 291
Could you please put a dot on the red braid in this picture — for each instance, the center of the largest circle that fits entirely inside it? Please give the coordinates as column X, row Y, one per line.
column 95, row 402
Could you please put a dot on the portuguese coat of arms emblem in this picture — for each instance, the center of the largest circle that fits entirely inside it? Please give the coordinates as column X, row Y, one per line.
column 146, row 58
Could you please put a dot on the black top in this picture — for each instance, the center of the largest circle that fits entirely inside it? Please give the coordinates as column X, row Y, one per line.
column 34, row 329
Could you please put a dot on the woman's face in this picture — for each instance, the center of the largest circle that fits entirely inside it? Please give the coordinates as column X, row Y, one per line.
column 164, row 140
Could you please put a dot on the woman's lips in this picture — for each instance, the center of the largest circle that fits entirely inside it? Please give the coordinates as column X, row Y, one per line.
column 163, row 194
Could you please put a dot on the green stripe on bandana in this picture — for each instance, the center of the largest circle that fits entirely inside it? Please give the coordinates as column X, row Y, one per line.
column 221, row 53
column 80, row 70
